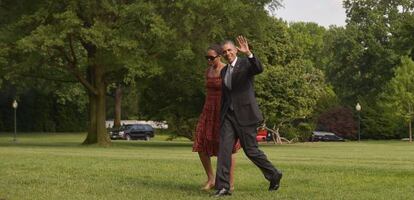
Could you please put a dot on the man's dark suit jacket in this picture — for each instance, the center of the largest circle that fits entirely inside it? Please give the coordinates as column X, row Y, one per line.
column 242, row 94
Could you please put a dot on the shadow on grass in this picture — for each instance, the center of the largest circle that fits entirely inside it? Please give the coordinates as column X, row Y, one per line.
column 190, row 189
column 27, row 143
column 40, row 144
column 151, row 144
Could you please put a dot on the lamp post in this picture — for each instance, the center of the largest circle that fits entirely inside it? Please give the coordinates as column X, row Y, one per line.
column 358, row 109
column 14, row 105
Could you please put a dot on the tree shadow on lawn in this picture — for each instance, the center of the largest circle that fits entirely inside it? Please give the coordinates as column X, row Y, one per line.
column 40, row 144
column 78, row 144
column 168, row 186
column 182, row 187
column 151, row 144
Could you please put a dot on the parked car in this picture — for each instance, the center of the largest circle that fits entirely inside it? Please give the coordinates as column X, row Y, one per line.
column 325, row 136
column 133, row 132
column 263, row 135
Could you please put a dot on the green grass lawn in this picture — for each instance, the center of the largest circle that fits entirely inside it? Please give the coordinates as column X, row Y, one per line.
column 56, row 166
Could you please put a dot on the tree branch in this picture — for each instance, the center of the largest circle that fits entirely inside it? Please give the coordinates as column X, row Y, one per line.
column 75, row 60
column 84, row 82
column 72, row 67
column 47, row 78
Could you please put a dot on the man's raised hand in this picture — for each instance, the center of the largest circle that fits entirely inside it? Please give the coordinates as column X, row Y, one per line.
column 243, row 45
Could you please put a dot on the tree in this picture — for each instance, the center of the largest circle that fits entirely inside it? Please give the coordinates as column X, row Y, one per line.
column 290, row 92
column 90, row 41
column 379, row 121
column 292, row 82
column 364, row 53
column 400, row 92
column 308, row 41
column 404, row 39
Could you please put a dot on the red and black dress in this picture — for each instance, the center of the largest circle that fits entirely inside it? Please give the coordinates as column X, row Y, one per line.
column 208, row 127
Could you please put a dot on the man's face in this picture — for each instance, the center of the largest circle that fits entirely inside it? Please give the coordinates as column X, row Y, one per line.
column 229, row 52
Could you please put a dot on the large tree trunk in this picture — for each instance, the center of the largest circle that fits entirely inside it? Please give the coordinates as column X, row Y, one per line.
column 97, row 133
column 118, row 100
column 92, row 136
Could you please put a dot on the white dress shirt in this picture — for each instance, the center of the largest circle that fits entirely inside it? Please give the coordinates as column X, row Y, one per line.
column 227, row 78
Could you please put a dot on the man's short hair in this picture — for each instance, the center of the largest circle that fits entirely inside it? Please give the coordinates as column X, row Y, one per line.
column 227, row 42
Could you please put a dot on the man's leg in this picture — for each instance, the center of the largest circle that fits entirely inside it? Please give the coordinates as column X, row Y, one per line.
column 227, row 139
column 247, row 136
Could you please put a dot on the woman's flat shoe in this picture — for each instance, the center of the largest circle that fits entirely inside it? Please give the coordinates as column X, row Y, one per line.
column 207, row 187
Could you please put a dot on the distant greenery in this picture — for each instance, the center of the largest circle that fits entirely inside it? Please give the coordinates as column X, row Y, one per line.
column 38, row 111
column 55, row 166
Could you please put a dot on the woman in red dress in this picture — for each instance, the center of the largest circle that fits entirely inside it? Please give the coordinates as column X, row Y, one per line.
column 206, row 140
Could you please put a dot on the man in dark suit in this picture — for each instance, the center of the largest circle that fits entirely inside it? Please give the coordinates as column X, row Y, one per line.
column 240, row 116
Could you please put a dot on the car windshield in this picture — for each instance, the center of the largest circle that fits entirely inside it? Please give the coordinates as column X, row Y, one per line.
column 124, row 127
column 316, row 133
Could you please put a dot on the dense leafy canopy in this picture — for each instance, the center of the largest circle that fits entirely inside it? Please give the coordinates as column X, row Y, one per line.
column 79, row 51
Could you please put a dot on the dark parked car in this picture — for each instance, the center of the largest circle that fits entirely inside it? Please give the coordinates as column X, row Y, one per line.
column 133, row 132
column 325, row 136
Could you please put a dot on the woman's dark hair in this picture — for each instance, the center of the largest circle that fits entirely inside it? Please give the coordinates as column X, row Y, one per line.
column 216, row 48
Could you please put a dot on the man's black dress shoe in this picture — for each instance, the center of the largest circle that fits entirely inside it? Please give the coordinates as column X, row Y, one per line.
column 275, row 182
column 221, row 193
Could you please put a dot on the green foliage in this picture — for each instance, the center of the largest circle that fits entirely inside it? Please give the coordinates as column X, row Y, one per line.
column 40, row 111
column 65, row 32
column 379, row 121
column 404, row 40
column 290, row 92
column 364, row 52
column 94, row 43
column 130, row 99
column 398, row 98
column 298, row 132
column 326, row 101
column 402, row 89
column 305, row 131
column 308, row 42
column 341, row 71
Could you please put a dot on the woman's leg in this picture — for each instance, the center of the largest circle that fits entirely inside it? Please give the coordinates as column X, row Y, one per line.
column 233, row 164
column 206, row 161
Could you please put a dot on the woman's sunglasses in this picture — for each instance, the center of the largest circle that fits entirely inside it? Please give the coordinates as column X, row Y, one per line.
column 211, row 58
